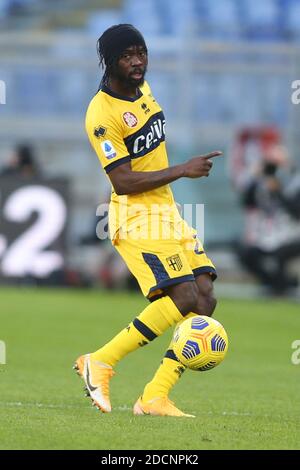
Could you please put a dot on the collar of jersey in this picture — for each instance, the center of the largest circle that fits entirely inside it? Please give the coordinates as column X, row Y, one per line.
column 120, row 97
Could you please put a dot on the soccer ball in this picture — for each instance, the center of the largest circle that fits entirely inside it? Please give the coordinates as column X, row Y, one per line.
column 200, row 343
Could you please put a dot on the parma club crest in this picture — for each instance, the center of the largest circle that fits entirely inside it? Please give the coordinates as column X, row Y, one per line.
column 130, row 119
column 175, row 262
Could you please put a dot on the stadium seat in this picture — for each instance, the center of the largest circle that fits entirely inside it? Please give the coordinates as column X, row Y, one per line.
column 99, row 21
column 261, row 20
column 292, row 20
column 179, row 16
column 144, row 15
column 220, row 21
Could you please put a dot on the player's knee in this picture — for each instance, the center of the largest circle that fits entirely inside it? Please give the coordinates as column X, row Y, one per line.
column 185, row 297
column 211, row 303
column 206, row 304
column 190, row 300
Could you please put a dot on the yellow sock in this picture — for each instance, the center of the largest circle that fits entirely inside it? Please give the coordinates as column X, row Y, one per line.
column 168, row 373
column 166, row 376
column 152, row 322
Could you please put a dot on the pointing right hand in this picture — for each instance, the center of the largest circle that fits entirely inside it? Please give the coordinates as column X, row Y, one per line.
column 200, row 166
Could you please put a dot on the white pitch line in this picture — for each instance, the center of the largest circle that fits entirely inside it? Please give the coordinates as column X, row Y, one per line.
column 119, row 408
column 20, row 404
column 35, row 405
column 50, row 405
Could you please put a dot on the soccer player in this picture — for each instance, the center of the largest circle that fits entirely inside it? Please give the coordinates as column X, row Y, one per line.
column 126, row 128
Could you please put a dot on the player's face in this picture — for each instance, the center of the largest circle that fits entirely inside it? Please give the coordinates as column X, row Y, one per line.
column 132, row 66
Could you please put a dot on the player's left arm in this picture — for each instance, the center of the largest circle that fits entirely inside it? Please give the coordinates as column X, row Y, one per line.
column 126, row 181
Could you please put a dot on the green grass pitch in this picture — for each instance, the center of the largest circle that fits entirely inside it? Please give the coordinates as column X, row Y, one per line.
column 251, row 401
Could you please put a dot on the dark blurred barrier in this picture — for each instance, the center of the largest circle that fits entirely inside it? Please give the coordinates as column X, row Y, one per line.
column 33, row 222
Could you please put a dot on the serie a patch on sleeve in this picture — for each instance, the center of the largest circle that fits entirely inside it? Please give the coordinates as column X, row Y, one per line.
column 108, row 149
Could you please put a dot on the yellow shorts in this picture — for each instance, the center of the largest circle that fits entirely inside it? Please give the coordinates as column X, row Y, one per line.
column 163, row 262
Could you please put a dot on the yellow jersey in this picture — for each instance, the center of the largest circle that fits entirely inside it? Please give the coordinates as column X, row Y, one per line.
column 123, row 129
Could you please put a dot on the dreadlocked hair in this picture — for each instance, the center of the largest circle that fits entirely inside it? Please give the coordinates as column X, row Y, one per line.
column 102, row 65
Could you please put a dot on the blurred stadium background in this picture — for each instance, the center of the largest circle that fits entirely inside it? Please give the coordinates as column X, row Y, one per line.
column 215, row 67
